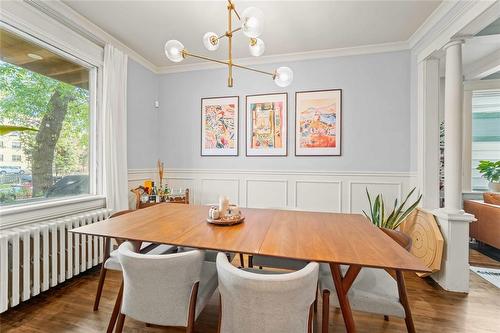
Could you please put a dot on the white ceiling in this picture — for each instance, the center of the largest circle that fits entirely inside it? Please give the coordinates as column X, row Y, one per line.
column 290, row 26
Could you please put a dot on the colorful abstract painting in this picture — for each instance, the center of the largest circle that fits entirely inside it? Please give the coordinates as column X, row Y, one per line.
column 266, row 125
column 318, row 122
column 219, row 128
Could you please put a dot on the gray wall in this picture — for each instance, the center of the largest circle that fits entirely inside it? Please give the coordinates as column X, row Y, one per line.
column 142, row 129
column 376, row 113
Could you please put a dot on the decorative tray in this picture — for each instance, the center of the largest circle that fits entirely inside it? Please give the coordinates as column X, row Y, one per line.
column 227, row 221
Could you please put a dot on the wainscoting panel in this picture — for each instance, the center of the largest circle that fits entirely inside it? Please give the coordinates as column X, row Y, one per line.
column 266, row 193
column 319, row 196
column 326, row 191
column 359, row 200
column 211, row 189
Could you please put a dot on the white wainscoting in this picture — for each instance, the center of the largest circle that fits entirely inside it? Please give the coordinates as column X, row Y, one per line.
column 301, row 190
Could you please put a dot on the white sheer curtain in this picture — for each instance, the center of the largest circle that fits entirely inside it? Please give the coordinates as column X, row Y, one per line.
column 114, row 121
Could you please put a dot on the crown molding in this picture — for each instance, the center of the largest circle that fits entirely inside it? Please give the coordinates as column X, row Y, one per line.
column 450, row 19
column 430, row 22
column 83, row 26
column 290, row 57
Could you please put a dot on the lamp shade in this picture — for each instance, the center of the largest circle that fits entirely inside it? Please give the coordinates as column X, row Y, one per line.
column 210, row 41
column 256, row 47
column 284, row 76
column 173, row 50
column 253, row 22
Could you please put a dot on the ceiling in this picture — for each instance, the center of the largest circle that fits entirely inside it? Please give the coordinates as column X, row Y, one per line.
column 20, row 52
column 290, row 26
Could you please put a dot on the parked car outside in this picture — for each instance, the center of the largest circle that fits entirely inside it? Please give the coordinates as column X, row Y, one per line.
column 4, row 170
column 69, row 185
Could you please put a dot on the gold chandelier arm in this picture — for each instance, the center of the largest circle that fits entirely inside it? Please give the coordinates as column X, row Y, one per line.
column 234, row 9
column 226, row 34
column 273, row 74
column 186, row 53
column 223, row 62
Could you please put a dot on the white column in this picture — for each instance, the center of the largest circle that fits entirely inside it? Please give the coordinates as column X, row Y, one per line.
column 428, row 120
column 467, row 142
column 453, row 99
column 454, row 223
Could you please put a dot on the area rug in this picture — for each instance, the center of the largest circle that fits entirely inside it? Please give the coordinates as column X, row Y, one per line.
column 491, row 275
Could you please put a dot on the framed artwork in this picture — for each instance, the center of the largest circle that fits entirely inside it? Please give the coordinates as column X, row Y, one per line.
column 318, row 122
column 219, row 126
column 267, row 124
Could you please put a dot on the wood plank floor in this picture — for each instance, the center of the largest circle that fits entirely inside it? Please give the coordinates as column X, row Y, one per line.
column 68, row 308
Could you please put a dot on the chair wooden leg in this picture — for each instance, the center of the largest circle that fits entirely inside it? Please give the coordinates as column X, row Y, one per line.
column 116, row 310
column 120, row 322
column 310, row 321
column 100, row 285
column 403, row 298
column 192, row 308
column 242, row 261
column 315, row 304
column 326, row 311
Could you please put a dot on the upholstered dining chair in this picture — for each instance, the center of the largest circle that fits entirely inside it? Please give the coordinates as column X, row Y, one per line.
column 111, row 262
column 166, row 290
column 259, row 301
column 373, row 291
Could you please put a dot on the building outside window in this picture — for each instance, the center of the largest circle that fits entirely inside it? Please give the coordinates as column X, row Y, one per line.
column 47, row 92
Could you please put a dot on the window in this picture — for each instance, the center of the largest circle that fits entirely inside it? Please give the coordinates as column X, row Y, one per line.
column 1, row 157
column 485, row 132
column 45, row 118
column 1, row 144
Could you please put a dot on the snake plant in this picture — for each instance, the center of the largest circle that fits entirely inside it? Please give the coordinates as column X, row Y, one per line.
column 381, row 219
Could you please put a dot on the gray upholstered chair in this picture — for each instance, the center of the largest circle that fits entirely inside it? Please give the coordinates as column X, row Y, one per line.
column 166, row 290
column 111, row 262
column 259, row 301
column 373, row 291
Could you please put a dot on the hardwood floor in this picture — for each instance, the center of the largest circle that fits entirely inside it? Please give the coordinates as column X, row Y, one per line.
column 68, row 308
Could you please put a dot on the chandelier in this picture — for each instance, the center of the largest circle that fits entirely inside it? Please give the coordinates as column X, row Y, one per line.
column 251, row 24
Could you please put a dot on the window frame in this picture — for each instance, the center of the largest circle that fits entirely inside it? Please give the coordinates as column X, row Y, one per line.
column 95, row 84
column 469, row 87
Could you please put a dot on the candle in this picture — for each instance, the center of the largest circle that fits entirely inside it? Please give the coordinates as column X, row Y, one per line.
column 223, row 205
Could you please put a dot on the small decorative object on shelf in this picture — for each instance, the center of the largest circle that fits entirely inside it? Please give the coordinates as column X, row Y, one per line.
column 160, row 167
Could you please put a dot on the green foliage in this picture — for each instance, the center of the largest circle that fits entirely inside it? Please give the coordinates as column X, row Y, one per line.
column 24, row 100
column 381, row 219
column 490, row 170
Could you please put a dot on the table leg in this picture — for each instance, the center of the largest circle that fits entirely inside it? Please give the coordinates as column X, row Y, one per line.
column 342, row 297
column 403, row 298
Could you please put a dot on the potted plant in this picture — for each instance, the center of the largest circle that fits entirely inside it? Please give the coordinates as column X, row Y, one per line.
column 490, row 171
column 388, row 222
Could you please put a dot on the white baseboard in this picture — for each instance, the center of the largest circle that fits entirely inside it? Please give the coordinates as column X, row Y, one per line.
column 326, row 191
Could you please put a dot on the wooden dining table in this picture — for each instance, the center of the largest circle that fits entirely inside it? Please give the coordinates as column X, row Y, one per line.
column 333, row 238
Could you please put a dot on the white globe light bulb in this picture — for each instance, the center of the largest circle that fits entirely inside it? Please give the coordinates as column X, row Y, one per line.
column 256, row 47
column 211, row 41
column 173, row 50
column 253, row 22
column 284, row 76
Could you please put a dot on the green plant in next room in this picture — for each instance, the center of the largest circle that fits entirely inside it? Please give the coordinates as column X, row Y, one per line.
column 490, row 170
column 382, row 219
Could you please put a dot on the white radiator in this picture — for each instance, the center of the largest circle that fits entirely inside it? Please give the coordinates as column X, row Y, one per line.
column 36, row 257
